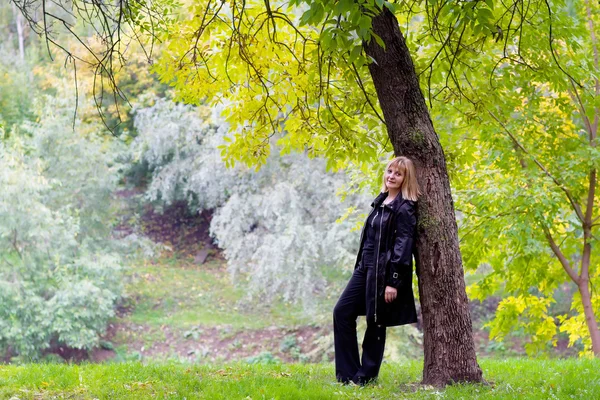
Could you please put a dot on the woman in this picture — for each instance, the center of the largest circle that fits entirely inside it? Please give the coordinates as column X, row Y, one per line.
column 381, row 286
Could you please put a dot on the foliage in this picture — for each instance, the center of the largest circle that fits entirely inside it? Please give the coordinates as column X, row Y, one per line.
column 513, row 378
column 15, row 102
column 180, row 147
column 85, row 163
column 60, row 280
column 299, row 68
column 283, row 232
column 18, row 81
column 519, row 141
column 100, row 39
column 276, row 225
column 318, row 89
column 225, row 56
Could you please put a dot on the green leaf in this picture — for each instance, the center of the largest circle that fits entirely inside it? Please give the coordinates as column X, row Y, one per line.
column 343, row 6
column 306, row 16
column 484, row 15
column 365, row 22
column 355, row 53
column 318, row 14
column 379, row 40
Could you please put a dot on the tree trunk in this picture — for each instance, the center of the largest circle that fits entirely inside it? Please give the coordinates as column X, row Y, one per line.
column 590, row 318
column 448, row 337
column 20, row 34
column 583, row 283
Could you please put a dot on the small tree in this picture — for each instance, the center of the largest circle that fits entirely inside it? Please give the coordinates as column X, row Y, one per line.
column 527, row 174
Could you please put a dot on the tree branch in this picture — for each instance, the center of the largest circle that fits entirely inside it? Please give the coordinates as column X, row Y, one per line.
column 48, row 18
column 552, row 51
column 559, row 254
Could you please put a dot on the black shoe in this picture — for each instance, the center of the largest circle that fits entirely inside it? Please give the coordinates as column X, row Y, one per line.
column 364, row 380
column 343, row 380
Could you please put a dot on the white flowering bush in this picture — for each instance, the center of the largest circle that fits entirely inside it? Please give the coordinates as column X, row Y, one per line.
column 277, row 226
column 181, row 149
column 278, row 243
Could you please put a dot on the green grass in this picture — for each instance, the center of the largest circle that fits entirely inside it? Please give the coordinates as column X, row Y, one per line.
column 509, row 379
column 182, row 296
column 169, row 298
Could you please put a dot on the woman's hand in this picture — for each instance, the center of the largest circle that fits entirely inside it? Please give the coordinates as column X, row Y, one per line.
column 390, row 294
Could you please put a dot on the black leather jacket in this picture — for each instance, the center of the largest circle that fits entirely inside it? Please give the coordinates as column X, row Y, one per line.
column 393, row 263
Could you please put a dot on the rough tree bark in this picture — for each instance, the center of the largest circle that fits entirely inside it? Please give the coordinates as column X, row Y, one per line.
column 448, row 337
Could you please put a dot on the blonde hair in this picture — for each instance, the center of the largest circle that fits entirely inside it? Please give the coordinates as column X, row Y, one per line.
column 410, row 187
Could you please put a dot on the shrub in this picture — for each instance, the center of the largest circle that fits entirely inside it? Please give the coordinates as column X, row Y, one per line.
column 59, row 276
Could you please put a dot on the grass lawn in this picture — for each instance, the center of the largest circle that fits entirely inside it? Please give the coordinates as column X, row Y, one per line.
column 509, row 379
column 183, row 295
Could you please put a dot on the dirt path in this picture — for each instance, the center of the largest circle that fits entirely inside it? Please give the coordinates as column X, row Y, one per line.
column 223, row 343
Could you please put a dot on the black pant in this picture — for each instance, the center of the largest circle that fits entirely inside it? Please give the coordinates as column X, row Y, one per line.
column 351, row 304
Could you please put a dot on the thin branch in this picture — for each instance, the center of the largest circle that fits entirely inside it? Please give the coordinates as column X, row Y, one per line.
column 367, row 97
column 590, row 200
column 15, row 245
column 559, row 254
column 552, row 51
column 76, row 90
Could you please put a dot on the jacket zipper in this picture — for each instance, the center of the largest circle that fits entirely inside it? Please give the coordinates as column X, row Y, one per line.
column 377, row 261
column 362, row 233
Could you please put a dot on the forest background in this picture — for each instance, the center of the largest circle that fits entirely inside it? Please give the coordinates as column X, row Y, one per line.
column 130, row 230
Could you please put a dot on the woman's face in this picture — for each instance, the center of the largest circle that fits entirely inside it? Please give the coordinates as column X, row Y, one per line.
column 393, row 178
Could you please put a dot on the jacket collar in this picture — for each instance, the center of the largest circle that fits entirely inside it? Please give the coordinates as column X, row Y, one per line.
column 394, row 205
